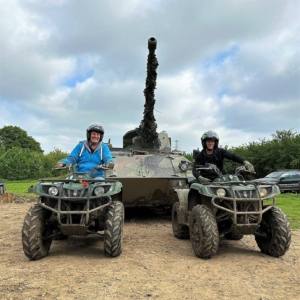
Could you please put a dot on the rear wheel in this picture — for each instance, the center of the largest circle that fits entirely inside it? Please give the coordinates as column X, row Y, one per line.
column 35, row 230
column 204, row 232
column 113, row 233
column 273, row 236
column 180, row 231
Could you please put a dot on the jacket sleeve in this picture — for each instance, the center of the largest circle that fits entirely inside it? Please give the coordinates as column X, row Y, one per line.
column 73, row 157
column 197, row 162
column 232, row 156
column 107, row 157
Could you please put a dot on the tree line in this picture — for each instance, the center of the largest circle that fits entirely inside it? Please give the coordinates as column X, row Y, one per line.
column 21, row 157
column 282, row 151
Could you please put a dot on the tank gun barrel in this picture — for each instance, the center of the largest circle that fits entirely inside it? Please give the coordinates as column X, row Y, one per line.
column 147, row 129
column 145, row 136
column 152, row 44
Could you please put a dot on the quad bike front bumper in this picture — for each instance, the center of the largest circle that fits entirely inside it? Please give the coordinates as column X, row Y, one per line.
column 246, row 214
column 74, row 222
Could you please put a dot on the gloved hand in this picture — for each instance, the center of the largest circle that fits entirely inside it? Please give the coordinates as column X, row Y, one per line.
column 110, row 165
column 249, row 167
column 202, row 179
column 60, row 165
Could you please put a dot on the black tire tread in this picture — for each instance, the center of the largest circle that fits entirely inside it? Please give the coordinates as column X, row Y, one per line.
column 34, row 246
column 113, row 233
column 279, row 242
column 207, row 226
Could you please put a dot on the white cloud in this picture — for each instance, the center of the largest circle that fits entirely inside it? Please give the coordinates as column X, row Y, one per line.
column 66, row 64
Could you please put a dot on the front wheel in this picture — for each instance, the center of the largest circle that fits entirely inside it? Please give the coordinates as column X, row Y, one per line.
column 273, row 236
column 180, row 231
column 35, row 232
column 204, row 232
column 113, row 233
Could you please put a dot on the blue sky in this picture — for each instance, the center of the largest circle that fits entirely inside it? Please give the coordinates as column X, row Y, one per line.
column 232, row 68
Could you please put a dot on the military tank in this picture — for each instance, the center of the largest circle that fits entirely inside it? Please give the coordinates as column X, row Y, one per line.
column 146, row 165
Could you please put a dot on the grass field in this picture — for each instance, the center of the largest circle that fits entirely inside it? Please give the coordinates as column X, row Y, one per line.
column 289, row 203
column 19, row 187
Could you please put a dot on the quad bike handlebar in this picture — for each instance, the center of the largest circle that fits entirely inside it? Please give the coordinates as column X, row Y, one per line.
column 210, row 171
column 72, row 168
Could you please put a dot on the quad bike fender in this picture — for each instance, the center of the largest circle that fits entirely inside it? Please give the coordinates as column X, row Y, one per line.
column 201, row 189
column 116, row 188
column 182, row 198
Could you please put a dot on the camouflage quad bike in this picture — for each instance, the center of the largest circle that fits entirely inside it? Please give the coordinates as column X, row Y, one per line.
column 228, row 206
column 2, row 188
column 77, row 205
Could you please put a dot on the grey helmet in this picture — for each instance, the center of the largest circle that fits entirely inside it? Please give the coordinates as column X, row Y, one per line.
column 96, row 128
column 210, row 135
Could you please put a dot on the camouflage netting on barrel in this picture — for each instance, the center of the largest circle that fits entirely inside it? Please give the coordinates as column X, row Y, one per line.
column 145, row 136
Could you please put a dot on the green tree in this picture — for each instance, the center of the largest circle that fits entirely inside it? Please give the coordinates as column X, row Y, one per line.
column 51, row 159
column 20, row 163
column 281, row 152
column 13, row 136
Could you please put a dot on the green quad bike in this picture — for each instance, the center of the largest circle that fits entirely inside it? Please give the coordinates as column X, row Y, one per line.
column 2, row 188
column 77, row 205
column 227, row 206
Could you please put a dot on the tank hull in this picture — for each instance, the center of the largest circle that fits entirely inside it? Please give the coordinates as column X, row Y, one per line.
column 150, row 192
column 149, row 179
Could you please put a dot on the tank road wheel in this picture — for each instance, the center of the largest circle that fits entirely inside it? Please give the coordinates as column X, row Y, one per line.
column 113, row 233
column 273, row 236
column 34, row 233
column 179, row 231
column 233, row 236
column 204, row 232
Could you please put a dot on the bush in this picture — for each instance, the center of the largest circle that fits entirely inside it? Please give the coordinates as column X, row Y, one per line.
column 281, row 152
column 20, row 163
column 50, row 161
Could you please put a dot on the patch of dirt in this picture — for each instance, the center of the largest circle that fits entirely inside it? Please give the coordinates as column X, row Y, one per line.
column 153, row 265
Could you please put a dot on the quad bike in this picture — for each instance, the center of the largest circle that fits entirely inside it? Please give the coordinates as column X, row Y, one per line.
column 77, row 205
column 2, row 188
column 227, row 206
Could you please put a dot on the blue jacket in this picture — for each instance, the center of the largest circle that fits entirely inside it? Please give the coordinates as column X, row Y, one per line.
column 87, row 160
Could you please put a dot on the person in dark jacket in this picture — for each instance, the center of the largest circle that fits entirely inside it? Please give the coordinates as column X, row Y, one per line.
column 212, row 154
column 90, row 154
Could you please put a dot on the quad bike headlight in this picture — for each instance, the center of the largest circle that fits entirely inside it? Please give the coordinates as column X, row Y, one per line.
column 99, row 190
column 221, row 192
column 53, row 191
column 263, row 192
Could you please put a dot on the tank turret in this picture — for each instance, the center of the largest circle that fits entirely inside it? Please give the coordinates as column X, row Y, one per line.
column 150, row 172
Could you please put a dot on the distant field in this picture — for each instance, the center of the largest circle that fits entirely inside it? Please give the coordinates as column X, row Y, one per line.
column 290, row 203
column 19, row 187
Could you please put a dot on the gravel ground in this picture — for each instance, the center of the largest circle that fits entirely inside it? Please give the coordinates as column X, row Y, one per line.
column 153, row 265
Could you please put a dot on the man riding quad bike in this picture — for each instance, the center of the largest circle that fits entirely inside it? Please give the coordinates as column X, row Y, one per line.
column 77, row 205
column 217, row 206
column 227, row 206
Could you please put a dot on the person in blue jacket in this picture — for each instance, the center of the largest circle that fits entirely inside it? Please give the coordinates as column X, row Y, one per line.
column 90, row 154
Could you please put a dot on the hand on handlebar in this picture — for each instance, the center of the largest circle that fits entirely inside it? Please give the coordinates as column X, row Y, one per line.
column 107, row 166
column 59, row 166
column 249, row 167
